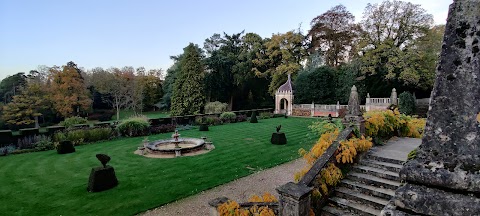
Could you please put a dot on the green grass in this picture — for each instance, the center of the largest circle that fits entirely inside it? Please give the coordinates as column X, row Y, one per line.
column 46, row 183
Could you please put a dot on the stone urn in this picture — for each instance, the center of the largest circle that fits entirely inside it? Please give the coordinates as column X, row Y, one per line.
column 102, row 178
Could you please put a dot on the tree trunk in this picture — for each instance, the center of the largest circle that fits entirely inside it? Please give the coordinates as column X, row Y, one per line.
column 36, row 122
column 230, row 105
column 118, row 113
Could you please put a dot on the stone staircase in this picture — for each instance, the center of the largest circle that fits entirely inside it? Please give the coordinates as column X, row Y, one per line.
column 368, row 186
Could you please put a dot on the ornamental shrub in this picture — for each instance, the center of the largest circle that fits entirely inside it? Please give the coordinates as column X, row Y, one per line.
column 253, row 119
column 406, row 104
column 215, row 107
column 388, row 123
column 228, row 117
column 75, row 120
column 134, row 126
column 241, row 118
column 265, row 115
column 164, row 128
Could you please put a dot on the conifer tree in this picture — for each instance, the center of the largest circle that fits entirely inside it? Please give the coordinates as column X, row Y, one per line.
column 188, row 91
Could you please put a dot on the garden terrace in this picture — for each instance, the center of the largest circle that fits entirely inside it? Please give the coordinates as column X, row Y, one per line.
column 45, row 183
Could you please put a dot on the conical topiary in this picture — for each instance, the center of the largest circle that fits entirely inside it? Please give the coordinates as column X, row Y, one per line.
column 253, row 119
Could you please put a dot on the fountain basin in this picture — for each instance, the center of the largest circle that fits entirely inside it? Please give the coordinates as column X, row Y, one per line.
column 170, row 146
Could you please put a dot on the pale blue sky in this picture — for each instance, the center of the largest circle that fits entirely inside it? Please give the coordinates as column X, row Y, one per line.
column 145, row 33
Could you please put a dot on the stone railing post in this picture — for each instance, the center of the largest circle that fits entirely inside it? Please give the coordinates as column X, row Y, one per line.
column 312, row 110
column 337, row 113
column 294, row 199
column 393, row 97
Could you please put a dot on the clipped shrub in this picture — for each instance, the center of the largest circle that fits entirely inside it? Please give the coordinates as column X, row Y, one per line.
column 241, row 118
column 228, row 117
column 134, row 126
column 215, row 107
column 406, row 103
column 65, row 147
column 265, row 115
column 253, row 119
column 75, row 120
column 165, row 128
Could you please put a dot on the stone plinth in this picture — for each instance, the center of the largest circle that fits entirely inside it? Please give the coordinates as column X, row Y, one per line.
column 444, row 178
column 278, row 138
column 294, row 199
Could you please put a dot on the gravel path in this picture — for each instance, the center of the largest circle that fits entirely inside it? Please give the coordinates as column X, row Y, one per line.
column 239, row 190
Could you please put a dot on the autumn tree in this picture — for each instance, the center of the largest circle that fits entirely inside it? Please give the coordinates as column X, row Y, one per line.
column 26, row 107
column 188, row 92
column 332, row 34
column 281, row 55
column 68, row 91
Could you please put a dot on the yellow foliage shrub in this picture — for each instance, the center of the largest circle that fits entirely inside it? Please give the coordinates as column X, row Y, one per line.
column 332, row 174
column 232, row 208
column 267, row 197
column 389, row 123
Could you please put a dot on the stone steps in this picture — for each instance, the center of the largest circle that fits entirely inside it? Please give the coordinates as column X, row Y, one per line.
column 367, row 188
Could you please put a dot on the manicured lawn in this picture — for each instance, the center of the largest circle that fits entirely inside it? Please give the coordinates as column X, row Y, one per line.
column 45, row 183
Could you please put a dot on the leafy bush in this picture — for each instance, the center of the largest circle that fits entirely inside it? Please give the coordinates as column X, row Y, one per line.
column 75, row 120
column 44, row 143
column 209, row 120
column 215, row 107
column 386, row 124
column 4, row 151
column 406, row 104
column 241, row 118
column 80, row 136
column 134, row 126
column 324, row 126
column 165, row 128
column 265, row 115
column 228, row 117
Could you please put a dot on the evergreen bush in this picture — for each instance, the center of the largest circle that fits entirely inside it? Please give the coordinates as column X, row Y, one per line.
column 406, row 104
column 134, row 126
column 253, row 119
column 228, row 117
column 75, row 120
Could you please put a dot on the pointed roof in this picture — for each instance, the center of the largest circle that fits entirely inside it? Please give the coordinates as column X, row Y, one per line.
column 287, row 86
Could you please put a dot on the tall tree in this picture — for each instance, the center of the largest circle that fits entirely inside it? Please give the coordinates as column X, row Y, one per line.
column 11, row 86
column 188, row 92
column 26, row 107
column 68, row 91
column 281, row 55
column 152, row 88
column 387, row 45
column 332, row 34
column 167, row 87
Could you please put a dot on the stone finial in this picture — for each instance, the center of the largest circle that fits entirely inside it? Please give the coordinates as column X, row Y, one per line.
column 354, row 103
column 368, row 95
column 394, row 97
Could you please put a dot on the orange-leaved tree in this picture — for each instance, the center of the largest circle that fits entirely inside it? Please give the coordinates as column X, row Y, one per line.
column 68, row 91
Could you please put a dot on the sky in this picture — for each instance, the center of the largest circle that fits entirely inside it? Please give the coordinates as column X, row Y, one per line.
column 117, row 33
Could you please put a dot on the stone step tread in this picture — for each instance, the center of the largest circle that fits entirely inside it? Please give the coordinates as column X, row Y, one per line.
column 336, row 211
column 374, row 155
column 355, row 205
column 366, row 161
column 369, row 187
column 362, row 196
column 374, row 178
column 373, row 169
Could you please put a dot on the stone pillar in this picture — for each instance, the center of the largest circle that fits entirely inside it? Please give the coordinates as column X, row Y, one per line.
column 394, row 97
column 338, row 109
column 354, row 115
column 294, row 199
column 444, row 177
column 367, row 102
column 312, row 110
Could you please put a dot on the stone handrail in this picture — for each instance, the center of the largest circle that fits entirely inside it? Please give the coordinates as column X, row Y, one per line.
column 378, row 100
column 326, row 157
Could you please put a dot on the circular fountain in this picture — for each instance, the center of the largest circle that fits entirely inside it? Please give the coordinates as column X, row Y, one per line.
column 175, row 147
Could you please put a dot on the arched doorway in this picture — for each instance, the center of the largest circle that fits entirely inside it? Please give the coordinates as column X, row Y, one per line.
column 283, row 105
